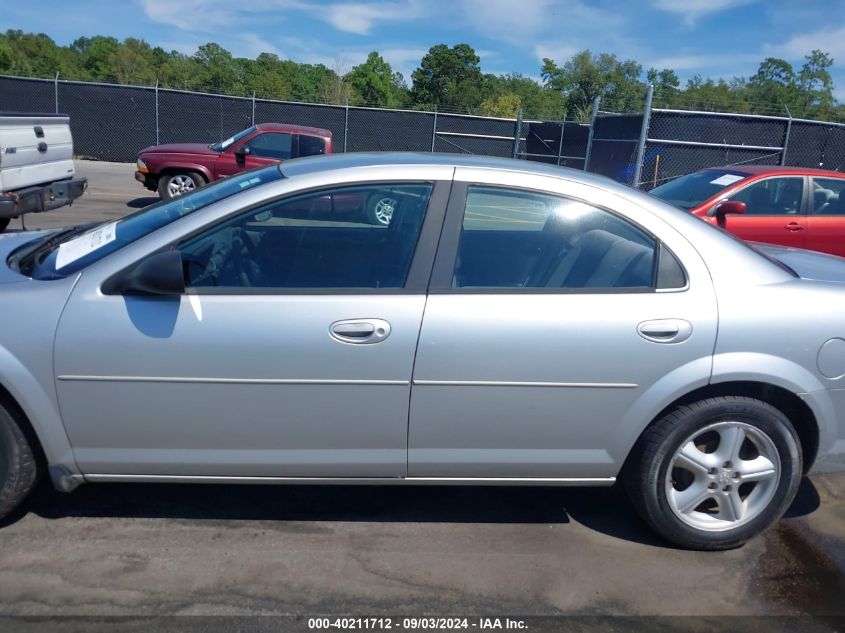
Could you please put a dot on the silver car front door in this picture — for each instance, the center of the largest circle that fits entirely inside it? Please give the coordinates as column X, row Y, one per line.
column 561, row 319
column 290, row 355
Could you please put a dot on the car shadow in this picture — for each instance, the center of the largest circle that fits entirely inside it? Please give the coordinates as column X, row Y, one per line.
column 604, row 510
column 140, row 203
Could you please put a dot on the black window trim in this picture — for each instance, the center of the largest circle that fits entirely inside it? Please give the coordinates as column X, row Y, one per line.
column 419, row 271
column 447, row 253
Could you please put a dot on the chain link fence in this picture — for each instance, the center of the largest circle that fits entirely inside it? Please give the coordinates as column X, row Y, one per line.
column 642, row 149
column 111, row 122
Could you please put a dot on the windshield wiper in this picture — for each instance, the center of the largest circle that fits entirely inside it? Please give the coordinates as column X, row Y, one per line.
column 22, row 257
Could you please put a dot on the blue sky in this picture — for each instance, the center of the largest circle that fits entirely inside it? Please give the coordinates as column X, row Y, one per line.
column 714, row 38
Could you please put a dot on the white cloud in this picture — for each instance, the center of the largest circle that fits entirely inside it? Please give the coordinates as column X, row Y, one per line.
column 706, row 62
column 517, row 22
column 254, row 45
column 208, row 15
column 692, row 10
column 559, row 53
column 361, row 17
column 830, row 40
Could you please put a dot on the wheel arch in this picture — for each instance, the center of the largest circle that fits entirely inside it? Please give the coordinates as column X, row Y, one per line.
column 10, row 403
column 26, row 396
column 799, row 413
column 186, row 168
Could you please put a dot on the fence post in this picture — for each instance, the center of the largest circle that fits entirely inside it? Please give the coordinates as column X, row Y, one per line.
column 434, row 130
column 157, row 126
column 253, row 107
column 560, row 145
column 518, row 135
column 346, row 126
column 56, row 91
column 786, row 137
column 638, row 169
column 593, row 117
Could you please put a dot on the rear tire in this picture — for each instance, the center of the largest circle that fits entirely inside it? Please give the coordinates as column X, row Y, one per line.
column 178, row 183
column 715, row 473
column 18, row 466
column 4, row 222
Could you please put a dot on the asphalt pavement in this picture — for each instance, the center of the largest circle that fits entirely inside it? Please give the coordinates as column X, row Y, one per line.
column 143, row 549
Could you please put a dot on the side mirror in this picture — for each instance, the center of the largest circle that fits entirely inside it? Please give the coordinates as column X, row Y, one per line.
column 241, row 153
column 160, row 274
column 726, row 207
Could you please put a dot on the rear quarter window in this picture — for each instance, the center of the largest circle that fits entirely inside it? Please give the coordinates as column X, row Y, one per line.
column 311, row 145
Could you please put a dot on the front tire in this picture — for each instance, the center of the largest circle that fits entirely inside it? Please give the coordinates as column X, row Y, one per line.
column 715, row 473
column 4, row 222
column 18, row 466
column 177, row 184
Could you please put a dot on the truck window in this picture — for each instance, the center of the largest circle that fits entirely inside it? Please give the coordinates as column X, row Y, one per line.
column 311, row 145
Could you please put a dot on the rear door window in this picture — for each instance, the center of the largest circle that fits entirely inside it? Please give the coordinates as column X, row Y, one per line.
column 522, row 239
column 828, row 196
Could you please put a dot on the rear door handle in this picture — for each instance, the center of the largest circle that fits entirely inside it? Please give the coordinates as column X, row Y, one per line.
column 360, row 331
column 665, row 330
column 794, row 226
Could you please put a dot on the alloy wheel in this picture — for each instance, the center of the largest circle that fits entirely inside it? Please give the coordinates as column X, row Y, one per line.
column 722, row 476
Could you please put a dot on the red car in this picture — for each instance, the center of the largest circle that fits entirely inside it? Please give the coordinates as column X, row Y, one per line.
column 175, row 169
column 792, row 206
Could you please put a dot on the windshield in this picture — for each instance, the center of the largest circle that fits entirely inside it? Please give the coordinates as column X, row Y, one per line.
column 60, row 254
column 690, row 191
column 222, row 146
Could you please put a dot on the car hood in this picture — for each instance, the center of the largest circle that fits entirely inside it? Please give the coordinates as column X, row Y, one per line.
column 806, row 264
column 8, row 243
column 179, row 148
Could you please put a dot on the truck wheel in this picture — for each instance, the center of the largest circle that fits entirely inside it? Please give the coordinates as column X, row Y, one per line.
column 4, row 222
column 176, row 184
column 712, row 474
column 18, row 468
column 380, row 209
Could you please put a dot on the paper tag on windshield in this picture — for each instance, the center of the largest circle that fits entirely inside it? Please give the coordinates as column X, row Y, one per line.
column 86, row 243
column 727, row 179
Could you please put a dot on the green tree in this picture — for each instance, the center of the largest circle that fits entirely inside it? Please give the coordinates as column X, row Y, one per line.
column 179, row 71
column 95, row 56
column 448, row 78
column 816, row 84
column 506, row 106
column 773, row 85
column 587, row 76
column 215, row 67
column 536, row 101
column 374, row 82
column 131, row 62
column 666, row 86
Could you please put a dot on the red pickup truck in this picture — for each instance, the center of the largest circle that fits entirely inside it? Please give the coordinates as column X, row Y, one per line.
column 178, row 168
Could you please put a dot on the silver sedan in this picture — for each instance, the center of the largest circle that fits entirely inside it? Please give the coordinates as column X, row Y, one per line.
column 508, row 324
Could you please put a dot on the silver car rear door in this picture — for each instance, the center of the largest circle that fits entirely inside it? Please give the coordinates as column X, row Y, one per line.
column 547, row 382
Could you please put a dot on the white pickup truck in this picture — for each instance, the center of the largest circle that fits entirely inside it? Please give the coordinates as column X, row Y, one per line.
column 36, row 165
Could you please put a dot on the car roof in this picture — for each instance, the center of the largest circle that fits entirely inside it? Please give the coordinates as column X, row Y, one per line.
column 292, row 128
column 314, row 164
column 768, row 170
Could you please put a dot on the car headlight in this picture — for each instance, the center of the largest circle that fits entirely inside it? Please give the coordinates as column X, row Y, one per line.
column 142, row 166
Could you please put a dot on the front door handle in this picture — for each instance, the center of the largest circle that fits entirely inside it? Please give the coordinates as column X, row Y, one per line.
column 360, row 331
column 665, row 330
column 794, row 226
